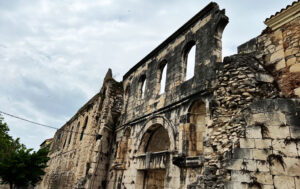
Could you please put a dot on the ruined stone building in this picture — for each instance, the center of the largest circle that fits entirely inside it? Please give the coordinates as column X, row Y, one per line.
column 234, row 124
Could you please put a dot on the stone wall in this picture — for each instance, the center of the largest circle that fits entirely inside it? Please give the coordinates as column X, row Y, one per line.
column 234, row 124
column 279, row 50
column 146, row 114
column 80, row 150
column 268, row 154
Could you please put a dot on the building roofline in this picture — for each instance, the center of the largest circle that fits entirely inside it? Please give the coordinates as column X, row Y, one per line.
column 284, row 15
column 190, row 22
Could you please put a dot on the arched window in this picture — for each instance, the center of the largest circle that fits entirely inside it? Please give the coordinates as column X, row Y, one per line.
column 159, row 141
column 124, row 148
column 126, row 96
column 189, row 56
column 65, row 140
column 162, row 76
column 127, row 143
column 142, row 86
column 83, row 128
column 127, row 91
column 71, row 133
column 76, row 133
column 155, row 139
column 59, row 136
column 196, row 128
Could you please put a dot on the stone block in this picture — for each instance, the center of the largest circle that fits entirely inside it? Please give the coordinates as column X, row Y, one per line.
column 291, row 51
column 284, row 182
column 277, row 55
column 264, row 178
column 295, row 132
column 268, row 186
column 278, row 132
column 253, row 132
column 262, row 143
column 235, row 164
column 247, row 143
column 239, row 153
column 241, row 164
column 264, row 78
column 297, row 91
column 291, row 167
column 281, row 64
column 260, row 154
column 288, row 149
column 250, row 165
column 240, row 176
column 277, row 35
column 295, row 68
column 291, row 61
column 235, row 185
column 262, row 166
column 274, row 118
column 297, row 182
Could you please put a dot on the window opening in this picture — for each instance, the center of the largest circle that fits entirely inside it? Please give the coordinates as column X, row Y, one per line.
column 163, row 78
column 190, row 61
column 83, row 128
column 70, row 138
column 142, row 86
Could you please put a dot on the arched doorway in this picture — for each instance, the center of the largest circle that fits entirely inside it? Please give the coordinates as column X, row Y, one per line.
column 154, row 155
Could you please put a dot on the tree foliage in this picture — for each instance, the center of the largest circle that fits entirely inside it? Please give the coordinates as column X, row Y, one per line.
column 7, row 143
column 19, row 166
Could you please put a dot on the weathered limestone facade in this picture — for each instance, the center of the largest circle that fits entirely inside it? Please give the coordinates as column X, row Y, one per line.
column 81, row 148
column 234, row 124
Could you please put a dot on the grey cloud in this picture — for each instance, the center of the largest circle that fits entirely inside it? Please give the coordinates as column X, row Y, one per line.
column 55, row 53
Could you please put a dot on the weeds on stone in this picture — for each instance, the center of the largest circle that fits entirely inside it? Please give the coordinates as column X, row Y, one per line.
column 244, row 163
column 281, row 153
column 253, row 183
column 244, row 171
column 276, row 157
column 264, row 129
column 289, row 140
column 264, row 132
column 262, row 162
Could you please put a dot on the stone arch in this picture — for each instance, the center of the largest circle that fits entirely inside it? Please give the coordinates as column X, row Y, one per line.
column 156, row 134
column 150, row 126
column 124, row 147
column 194, row 130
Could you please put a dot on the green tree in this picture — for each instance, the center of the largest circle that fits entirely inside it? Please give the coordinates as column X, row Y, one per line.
column 19, row 167
column 7, row 143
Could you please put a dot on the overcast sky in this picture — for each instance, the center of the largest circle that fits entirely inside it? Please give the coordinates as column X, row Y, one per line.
column 55, row 53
